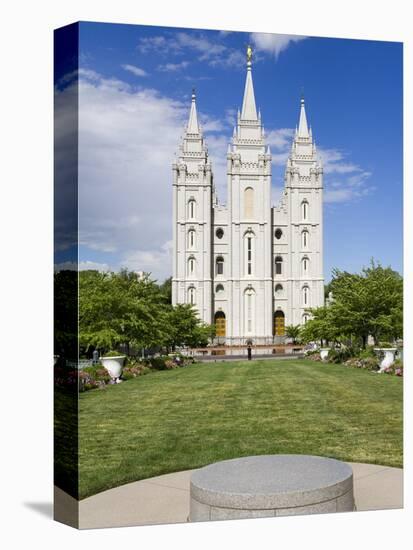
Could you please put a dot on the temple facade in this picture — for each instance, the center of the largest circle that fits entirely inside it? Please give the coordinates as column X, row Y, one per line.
column 248, row 266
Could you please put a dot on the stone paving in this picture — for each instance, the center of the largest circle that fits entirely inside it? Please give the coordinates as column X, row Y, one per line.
column 165, row 499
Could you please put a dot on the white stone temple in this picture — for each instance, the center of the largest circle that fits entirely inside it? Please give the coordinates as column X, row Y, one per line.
column 247, row 266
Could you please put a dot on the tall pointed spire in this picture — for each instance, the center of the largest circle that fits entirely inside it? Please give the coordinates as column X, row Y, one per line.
column 303, row 127
column 249, row 110
column 193, row 126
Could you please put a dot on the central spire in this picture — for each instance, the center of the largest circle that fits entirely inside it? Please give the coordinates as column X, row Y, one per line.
column 193, row 127
column 249, row 111
column 303, row 127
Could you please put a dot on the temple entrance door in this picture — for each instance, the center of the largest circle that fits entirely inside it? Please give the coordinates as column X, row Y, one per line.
column 279, row 323
column 220, row 324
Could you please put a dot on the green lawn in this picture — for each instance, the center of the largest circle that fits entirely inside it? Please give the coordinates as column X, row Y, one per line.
column 185, row 418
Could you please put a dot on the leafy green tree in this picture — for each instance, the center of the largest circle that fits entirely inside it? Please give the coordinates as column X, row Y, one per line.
column 119, row 308
column 321, row 327
column 293, row 331
column 124, row 308
column 166, row 290
column 185, row 328
column 368, row 303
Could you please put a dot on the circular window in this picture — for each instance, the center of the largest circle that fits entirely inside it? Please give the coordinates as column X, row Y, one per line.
column 219, row 288
column 219, row 233
column 278, row 233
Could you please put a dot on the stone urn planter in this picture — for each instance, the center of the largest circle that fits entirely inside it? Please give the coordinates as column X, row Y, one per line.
column 324, row 353
column 388, row 358
column 114, row 365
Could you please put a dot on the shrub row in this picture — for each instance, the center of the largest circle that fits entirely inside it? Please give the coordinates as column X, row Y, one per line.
column 358, row 358
column 97, row 377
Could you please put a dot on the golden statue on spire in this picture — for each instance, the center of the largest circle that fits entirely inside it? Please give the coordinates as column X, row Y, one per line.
column 249, row 53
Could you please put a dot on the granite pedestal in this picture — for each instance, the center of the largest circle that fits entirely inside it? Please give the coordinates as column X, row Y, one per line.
column 270, row 485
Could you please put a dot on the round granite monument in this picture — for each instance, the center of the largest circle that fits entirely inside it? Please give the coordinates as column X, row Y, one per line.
column 270, row 485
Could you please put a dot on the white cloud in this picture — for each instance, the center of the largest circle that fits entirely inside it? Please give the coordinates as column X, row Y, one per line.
column 157, row 43
column 274, row 43
column 150, row 261
column 209, row 124
column 343, row 180
column 137, row 71
column 280, row 138
column 231, row 117
column 213, row 52
column 333, row 162
column 173, row 67
column 127, row 140
column 279, row 141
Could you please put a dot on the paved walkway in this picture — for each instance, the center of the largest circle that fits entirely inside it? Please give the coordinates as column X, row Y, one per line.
column 165, row 499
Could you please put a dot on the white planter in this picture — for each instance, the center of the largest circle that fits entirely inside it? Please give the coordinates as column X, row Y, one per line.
column 324, row 353
column 388, row 358
column 113, row 365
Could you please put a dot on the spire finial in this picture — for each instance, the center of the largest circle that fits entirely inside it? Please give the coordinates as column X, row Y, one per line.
column 249, row 56
column 193, row 94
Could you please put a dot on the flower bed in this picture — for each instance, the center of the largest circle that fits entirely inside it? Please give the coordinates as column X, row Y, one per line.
column 97, row 377
column 396, row 368
column 359, row 359
column 369, row 363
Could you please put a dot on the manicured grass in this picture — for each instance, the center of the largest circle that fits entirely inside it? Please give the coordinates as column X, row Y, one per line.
column 189, row 417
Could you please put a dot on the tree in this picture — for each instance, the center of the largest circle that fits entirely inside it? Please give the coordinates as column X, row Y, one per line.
column 293, row 331
column 119, row 308
column 368, row 303
column 186, row 329
column 166, row 290
column 321, row 326
column 124, row 308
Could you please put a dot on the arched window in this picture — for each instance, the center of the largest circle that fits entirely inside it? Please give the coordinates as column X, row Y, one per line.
column 305, row 318
column 191, row 295
column 278, row 289
column 219, row 289
column 305, row 263
column 278, row 265
column 219, row 270
column 304, row 209
column 191, row 209
column 306, row 296
column 278, row 233
column 219, row 233
column 191, row 266
column 304, row 239
column 249, row 310
column 249, row 203
column 191, row 238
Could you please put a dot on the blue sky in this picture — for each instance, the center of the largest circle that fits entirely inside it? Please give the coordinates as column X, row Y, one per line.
column 135, row 86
